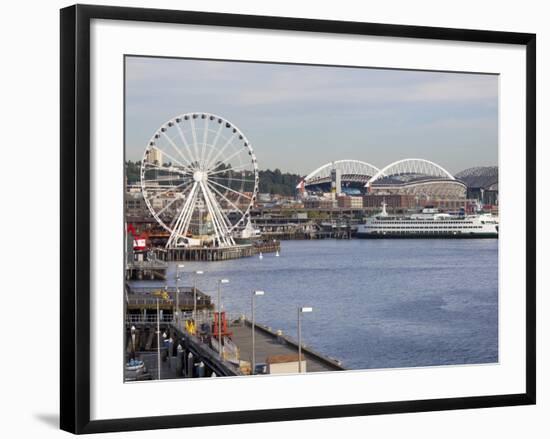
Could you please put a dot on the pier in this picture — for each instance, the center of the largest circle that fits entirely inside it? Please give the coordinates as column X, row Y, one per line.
column 182, row 355
column 217, row 253
column 142, row 302
column 271, row 343
column 146, row 270
column 190, row 355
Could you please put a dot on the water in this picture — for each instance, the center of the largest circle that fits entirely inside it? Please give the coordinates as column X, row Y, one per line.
column 376, row 303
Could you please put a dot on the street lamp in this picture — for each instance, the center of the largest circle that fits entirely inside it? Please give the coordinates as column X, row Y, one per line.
column 220, row 282
column 165, row 297
column 178, row 291
column 158, row 338
column 254, row 294
column 301, row 310
column 133, row 332
column 195, row 294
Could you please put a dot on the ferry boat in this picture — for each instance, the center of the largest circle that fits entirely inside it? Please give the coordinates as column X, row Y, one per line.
column 430, row 223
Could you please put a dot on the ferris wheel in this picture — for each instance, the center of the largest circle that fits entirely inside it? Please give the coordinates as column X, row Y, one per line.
column 199, row 179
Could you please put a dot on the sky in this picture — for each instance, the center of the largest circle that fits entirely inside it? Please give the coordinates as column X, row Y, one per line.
column 299, row 117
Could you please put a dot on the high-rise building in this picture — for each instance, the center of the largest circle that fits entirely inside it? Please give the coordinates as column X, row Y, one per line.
column 155, row 156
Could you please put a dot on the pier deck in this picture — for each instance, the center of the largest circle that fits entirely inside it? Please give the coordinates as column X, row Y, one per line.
column 140, row 298
column 268, row 343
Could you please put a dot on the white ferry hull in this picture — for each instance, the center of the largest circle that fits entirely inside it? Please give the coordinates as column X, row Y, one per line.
column 424, row 235
column 428, row 224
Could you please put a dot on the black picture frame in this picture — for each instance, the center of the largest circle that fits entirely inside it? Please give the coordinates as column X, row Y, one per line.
column 75, row 217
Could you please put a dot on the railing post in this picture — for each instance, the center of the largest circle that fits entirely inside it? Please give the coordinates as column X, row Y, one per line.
column 190, row 365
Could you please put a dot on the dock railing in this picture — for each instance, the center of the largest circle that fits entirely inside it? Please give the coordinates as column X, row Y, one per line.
column 201, row 317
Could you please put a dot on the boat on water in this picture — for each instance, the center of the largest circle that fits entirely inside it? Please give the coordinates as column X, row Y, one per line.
column 247, row 235
column 430, row 223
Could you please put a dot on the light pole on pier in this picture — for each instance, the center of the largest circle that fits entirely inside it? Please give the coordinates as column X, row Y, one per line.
column 158, row 338
column 166, row 298
column 253, row 365
column 178, row 291
column 133, row 332
column 220, row 282
column 301, row 310
column 198, row 272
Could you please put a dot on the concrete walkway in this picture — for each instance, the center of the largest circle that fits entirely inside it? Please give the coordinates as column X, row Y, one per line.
column 267, row 345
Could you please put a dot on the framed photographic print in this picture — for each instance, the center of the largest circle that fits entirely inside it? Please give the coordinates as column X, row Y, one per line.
column 311, row 218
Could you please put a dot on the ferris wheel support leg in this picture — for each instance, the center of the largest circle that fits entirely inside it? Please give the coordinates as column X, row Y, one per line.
column 224, row 220
column 185, row 224
column 172, row 241
column 182, row 213
column 222, row 215
column 218, row 227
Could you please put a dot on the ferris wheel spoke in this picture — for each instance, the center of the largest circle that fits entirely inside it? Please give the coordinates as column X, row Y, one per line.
column 225, row 198
column 158, row 178
column 236, row 168
column 161, row 211
column 231, row 179
column 195, row 143
column 176, row 217
column 220, row 152
column 174, row 170
column 204, row 140
column 172, row 158
column 172, row 222
column 232, row 156
column 213, row 146
column 232, row 190
column 160, row 194
column 184, row 140
column 173, row 145
column 153, row 185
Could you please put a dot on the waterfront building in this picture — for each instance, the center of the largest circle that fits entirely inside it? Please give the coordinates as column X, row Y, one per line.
column 135, row 204
column 318, row 203
column 350, row 202
column 450, row 204
column 396, row 201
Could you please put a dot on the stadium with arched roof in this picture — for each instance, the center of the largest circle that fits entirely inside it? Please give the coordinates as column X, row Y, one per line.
column 418, row 177
column 352, row 176
column 482, row 183
column 485, row 177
